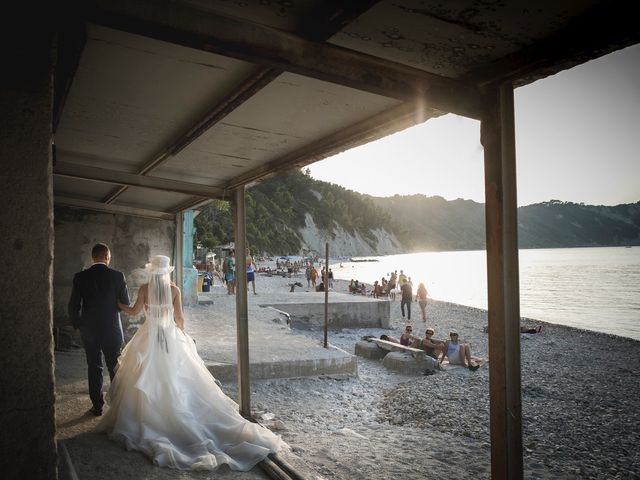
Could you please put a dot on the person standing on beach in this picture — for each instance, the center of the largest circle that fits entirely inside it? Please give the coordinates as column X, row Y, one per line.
column 307, row 274
column 251, row 272
column 421, row 298
column 407, row 298
column 93, row 309
column 229, row 268
column 313, row 275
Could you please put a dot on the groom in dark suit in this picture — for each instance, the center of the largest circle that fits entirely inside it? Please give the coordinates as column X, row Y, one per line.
column 93, row 308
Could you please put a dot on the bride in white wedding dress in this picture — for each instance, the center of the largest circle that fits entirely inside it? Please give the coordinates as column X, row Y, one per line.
column 164, row 402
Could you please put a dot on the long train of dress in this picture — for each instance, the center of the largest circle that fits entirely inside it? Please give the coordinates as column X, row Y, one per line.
column 165, row 403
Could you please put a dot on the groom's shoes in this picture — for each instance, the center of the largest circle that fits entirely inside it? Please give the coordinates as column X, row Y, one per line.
column 96, row 412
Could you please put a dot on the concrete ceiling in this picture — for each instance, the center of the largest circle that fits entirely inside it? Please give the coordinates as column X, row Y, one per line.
column 161, row 106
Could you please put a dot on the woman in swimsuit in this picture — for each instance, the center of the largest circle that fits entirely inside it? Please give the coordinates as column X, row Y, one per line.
column 458, row 353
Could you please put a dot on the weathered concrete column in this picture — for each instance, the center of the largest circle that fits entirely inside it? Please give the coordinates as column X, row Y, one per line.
column 189, row 272
column 27, row 439
column 242, row 315
column 498, row 139
column 179, row 255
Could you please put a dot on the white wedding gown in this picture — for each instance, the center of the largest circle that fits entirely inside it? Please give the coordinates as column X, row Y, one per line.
column 165, row 403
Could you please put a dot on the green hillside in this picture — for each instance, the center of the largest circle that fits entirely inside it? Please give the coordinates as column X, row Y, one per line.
column 276, row 212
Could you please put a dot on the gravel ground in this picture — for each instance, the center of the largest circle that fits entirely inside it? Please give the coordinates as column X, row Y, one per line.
column 580, row 404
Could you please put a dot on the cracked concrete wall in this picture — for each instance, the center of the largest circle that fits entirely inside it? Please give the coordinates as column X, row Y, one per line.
column 132, row 241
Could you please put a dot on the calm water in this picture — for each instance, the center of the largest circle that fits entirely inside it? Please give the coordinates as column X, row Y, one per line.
column 591, row 288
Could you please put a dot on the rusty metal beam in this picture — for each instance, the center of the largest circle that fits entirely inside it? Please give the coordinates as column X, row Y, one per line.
column 262, row 45
column 498, row 139
column 84, row 172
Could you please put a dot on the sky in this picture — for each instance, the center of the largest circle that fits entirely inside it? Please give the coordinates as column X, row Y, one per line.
column 577, row 140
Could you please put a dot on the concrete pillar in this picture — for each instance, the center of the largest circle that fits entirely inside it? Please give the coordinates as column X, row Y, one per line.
column 498, row 139
column 189, row 273
column 27, row 401
column 242, row 315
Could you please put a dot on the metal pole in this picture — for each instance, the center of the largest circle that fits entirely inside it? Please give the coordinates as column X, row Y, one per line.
column 326, row 295
column 242, row 316
column 498, row 139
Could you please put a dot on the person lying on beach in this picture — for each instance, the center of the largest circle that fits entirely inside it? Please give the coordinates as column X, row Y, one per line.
column 537, row 329
column 458, row 353
column 431, row 346
column 389, row 339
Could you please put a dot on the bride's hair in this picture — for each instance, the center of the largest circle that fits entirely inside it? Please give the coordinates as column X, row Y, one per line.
column 160, row 290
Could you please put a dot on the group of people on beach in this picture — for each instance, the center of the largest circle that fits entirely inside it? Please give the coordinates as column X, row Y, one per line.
column 403, row 285
column 458, row 353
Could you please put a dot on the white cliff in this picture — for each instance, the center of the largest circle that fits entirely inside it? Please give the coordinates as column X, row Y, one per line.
column 343, row 243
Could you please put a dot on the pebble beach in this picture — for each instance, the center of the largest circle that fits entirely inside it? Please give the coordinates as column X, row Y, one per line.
column 580, row 404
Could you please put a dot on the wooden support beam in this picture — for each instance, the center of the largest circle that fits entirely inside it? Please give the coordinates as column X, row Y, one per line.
column 498, row 139
column 75, row 170
column 242, row 315
column 262, row 45
column 116, row 209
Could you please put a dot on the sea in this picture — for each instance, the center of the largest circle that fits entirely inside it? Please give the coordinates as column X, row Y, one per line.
column 594, row 289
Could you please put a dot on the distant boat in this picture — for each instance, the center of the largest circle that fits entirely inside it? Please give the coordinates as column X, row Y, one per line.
column 364, row 259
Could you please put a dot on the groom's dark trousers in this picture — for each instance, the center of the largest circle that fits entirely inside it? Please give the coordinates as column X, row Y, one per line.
column 93, row 308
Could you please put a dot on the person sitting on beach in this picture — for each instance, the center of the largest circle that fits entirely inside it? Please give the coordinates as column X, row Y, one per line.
column 407, row 339
column 432, row 347
column 389, row 339
column 458, row 353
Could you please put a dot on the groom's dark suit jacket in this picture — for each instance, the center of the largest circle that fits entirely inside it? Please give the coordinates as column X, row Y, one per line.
column 93, row 304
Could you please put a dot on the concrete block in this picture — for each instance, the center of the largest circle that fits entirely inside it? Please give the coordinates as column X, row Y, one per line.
column 369, row 350
column 341, row 314
column 409, row 363
column 338, row 362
